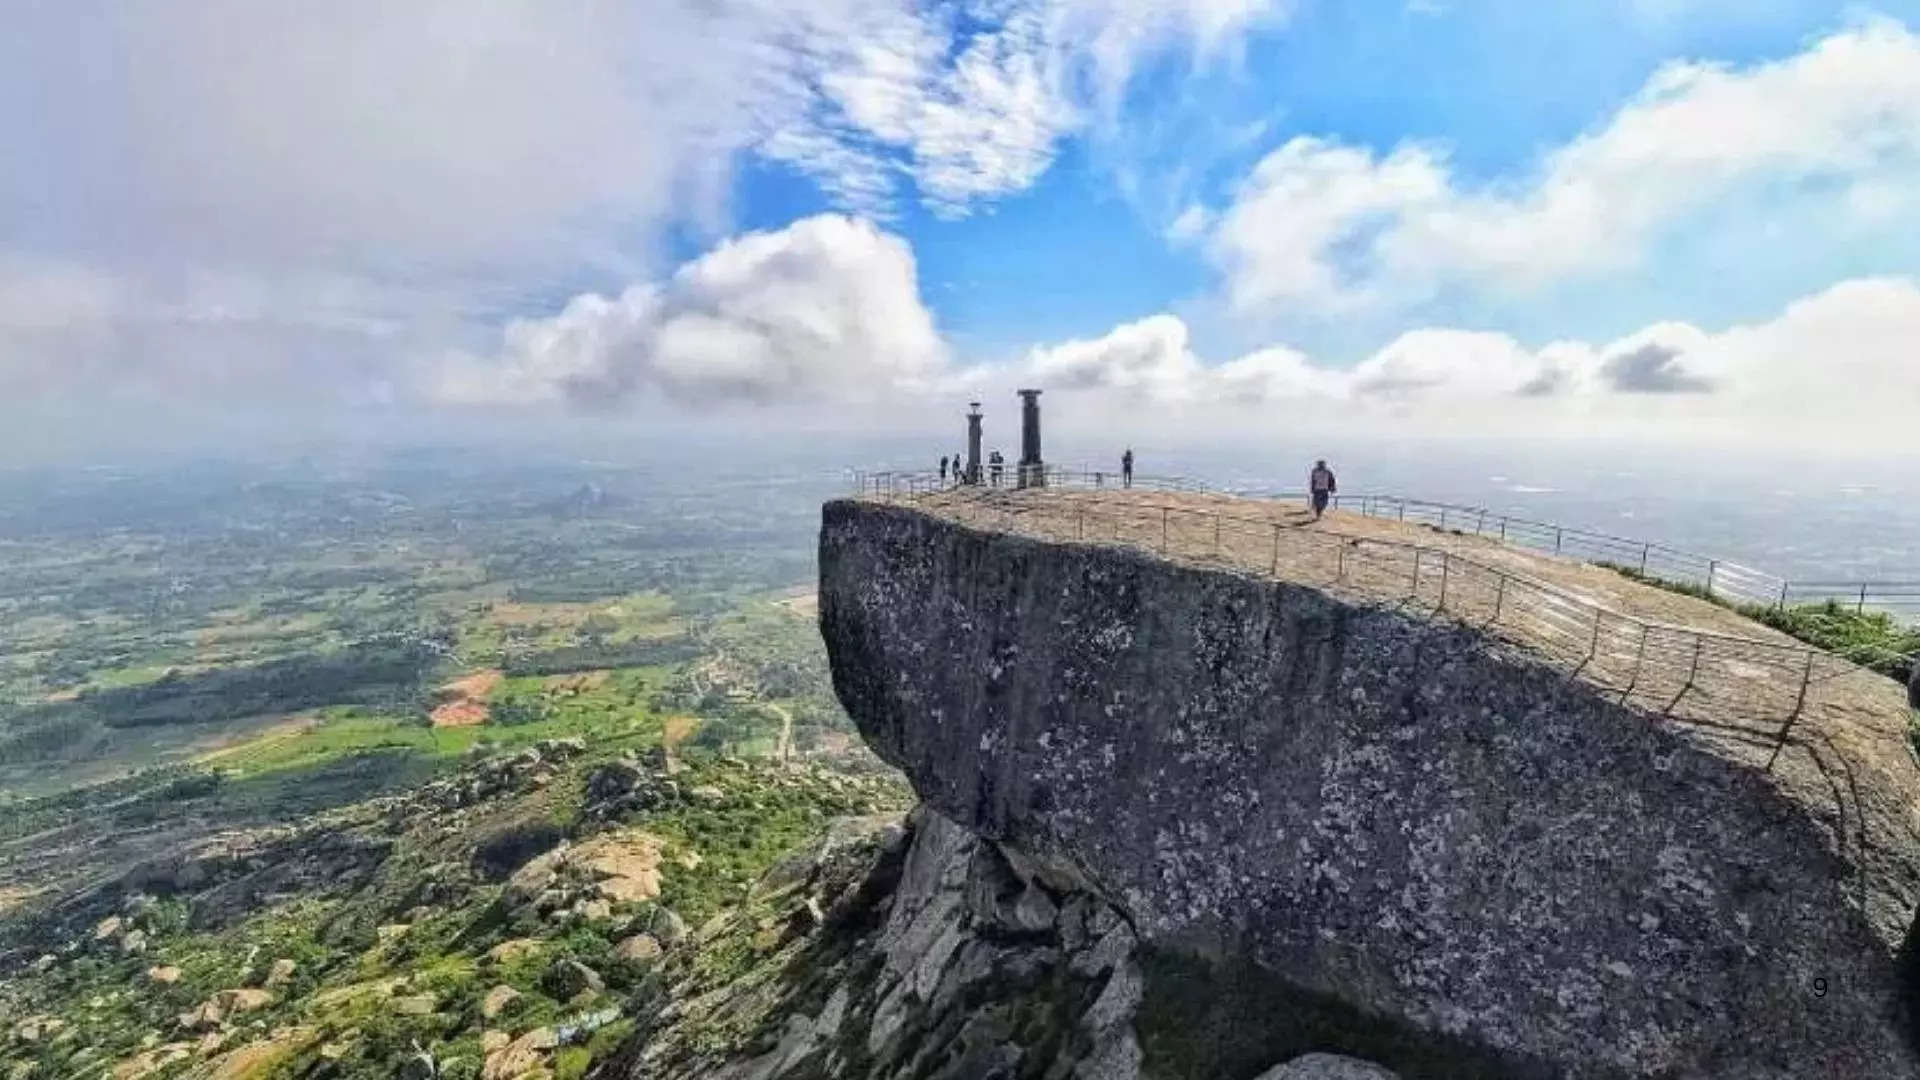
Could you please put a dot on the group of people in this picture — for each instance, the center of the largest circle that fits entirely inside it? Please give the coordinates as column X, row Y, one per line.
column 996, row 468
column 1321, row 483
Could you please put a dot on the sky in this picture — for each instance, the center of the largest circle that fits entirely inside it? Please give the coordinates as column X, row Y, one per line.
column 1652, row 220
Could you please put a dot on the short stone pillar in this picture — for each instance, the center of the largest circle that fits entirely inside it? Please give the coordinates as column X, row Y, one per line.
column 1033, row 471
column 972, row 475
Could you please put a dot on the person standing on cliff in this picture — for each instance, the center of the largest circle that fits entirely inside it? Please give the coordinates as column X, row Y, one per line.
column 1126, row 468
column 943, row 468
column 994, row 462
column 1322, row 484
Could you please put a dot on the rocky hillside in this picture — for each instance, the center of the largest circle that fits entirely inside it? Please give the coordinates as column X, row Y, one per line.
column 1429, row 846
column 497, row 923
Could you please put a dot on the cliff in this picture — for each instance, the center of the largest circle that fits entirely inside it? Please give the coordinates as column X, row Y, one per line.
column 1473, row 860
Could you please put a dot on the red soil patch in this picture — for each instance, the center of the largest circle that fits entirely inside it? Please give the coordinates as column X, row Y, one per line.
column 466, row 699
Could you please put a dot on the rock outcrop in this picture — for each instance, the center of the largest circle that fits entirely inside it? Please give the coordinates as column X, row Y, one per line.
column 1475, row 864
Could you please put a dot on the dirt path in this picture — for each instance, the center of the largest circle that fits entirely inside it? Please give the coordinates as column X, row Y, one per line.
column 783, row 747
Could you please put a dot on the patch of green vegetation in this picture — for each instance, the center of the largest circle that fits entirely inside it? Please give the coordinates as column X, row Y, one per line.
column 1871, row 639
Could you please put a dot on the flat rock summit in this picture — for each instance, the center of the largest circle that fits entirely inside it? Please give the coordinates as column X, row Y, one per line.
column 1418, row 834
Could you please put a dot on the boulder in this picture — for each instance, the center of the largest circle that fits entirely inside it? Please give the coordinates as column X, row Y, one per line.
column 280, row 973
column 1393, row 814
column 534, row 878
column 1327, row 1067
column 515, row 949
column 498, row 1000
column 521, row 1056
column 639, row 949
column 668, row 927
column 613, row 780
column 166, row 975
column 567, row 979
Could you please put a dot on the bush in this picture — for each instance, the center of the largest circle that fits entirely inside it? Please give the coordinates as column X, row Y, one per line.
column 1871, row 639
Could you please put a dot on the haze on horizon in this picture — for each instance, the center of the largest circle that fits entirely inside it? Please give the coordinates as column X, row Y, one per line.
column 268, row 224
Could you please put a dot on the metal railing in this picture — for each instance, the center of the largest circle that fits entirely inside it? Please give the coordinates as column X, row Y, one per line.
column 1723, row 579
column 1715, row 677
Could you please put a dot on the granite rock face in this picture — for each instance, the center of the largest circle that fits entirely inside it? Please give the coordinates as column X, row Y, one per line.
column 1382, row 810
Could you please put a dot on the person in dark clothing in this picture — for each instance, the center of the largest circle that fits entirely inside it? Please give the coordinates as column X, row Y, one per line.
column 994, row 463
column 959, row 470
column 943, row 469
column 1322, row 484
column 1126, row 468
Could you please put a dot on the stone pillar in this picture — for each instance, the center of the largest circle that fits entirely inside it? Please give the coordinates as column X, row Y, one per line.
column 972, row 475
column 1033, row 471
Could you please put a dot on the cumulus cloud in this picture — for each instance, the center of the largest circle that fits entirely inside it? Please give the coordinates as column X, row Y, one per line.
column 243, row 193
column 1324, row 226
column 827, row 308
column 1837, row 362
column 1651, row 369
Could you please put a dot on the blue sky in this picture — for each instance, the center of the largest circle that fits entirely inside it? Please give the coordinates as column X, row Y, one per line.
column 1658, row 215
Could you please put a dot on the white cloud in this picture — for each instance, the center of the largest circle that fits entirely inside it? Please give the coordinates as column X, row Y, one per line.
column 1324, row 227
column 1150, row 358
column 1835, row 364
column 827, row 308
column 971, row 100
column 1190, row 225
column 222, row 194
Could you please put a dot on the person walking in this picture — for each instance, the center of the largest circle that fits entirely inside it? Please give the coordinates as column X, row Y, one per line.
column 1126, row 468
column 1322, row 484
column 943, row 469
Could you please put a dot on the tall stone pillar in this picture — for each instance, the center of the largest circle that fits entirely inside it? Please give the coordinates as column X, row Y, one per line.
column 1033, row 471
column 972, row 475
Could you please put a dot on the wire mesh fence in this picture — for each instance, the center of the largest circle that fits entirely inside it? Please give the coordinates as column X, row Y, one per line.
column 1755, row 689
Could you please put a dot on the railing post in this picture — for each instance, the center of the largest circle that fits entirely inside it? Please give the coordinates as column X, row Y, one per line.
column 1713, row 567
column 1480, row 526
column 1645, row 551
column 1275, row 570
column 1557, row 533
column 1163, row 531
column 1862, row 606
column 1639, row 660
column 1216, row 533
column 1416, row 576
column 1500, row 599
column 1503, row 529
column 1781, row 604
column 1593, row 647
column 1446, row 560
column 1080, row 524
column 1443, row 519
column 1340, row 565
